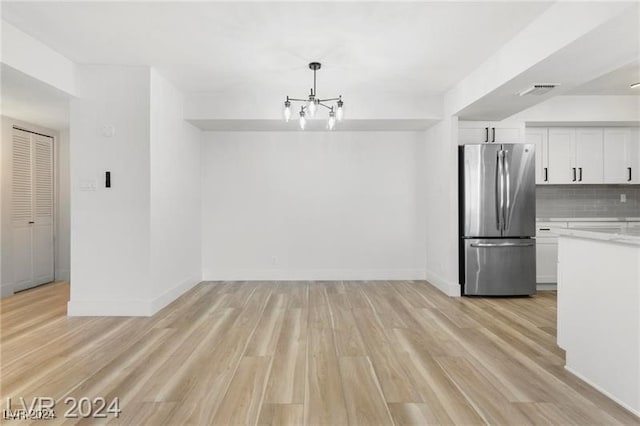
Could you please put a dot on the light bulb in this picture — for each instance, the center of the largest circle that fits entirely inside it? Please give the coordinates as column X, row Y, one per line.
column 303, row 120
column 311, row 106
column 287, row 111
column 332, row 120
column 340, row 111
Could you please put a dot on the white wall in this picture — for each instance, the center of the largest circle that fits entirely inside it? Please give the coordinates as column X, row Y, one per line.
column 175, row 195
column 441, row 191
column 6, row 234
column 313, row 205
column 110, row 230
column 135, row 247
column 63, row 199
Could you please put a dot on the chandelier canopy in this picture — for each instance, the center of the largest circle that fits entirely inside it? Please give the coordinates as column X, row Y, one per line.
column 310, row 105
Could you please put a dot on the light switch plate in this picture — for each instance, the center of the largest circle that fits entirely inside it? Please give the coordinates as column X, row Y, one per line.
column 88, row 185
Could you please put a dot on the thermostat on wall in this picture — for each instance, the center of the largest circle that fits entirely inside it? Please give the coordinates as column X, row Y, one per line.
column 108, row 131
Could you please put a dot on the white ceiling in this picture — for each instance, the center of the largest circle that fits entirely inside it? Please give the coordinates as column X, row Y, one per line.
column 400, row 48
column 616, row 82
column 27, row 99
column 601, row 63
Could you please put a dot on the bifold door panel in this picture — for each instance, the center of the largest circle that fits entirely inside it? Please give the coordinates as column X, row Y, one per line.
column 32, row 209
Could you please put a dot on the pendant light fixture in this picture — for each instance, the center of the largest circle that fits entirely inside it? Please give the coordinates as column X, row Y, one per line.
column 311, row 104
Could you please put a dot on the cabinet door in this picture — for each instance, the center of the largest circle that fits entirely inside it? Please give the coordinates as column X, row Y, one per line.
column 507, row 132
column 538, row 137
column 617, row 155
column 561, row 142
column 634, row 150
column 546, row 260
column 589, row 155
column 473, row 132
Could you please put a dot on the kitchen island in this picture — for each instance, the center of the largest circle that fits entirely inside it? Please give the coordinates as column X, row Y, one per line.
column 599, row 309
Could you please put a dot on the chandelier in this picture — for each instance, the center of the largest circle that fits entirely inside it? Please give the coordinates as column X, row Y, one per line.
column 313, row 102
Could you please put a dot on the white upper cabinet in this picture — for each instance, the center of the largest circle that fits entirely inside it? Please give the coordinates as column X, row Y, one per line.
column 538, row 137
column 490, row 132
column 574, row 155
column 588, row 155
column 621, row 155
column 561, row 154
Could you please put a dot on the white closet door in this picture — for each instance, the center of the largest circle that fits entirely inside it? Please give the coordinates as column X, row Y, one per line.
column 43, row 209
column 32, row 209
column 22, row 209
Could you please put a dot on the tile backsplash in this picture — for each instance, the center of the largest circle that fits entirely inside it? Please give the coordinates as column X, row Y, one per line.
column 587, row 201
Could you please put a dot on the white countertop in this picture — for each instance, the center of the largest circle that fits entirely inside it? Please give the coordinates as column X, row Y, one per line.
column 612, row 234
column 588, row 219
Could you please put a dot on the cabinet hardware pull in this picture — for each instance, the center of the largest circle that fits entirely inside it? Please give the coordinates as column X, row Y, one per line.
column 546, row 174
column 31, row 222
column 629, row 170
column 480, row 245
column 580, row 173
column 486, row 134
column 574, row 174
column 493, row 139
column 545, row 229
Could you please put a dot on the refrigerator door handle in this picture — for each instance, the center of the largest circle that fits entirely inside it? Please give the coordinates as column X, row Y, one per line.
column 499, row 191
column 507, row 190
column 529, row 244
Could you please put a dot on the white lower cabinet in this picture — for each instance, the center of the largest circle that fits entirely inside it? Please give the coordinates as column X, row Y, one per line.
column 546, row 260
column 547, row 252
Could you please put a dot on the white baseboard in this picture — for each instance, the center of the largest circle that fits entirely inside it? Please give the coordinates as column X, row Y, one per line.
column 62, row 274
column 128, row 308
column 546, row 286
column 108, row 308
column 172, row 294
column 312, row 274
column 445, row 286
column 633, row 410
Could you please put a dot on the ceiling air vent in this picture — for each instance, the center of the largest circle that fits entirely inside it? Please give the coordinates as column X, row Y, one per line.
column 538, row 89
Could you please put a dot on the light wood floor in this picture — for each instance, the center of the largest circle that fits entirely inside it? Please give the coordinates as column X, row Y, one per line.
column 332, row 353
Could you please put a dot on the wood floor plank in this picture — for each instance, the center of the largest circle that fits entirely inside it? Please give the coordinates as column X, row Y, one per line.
column 363, row 395
column 447, row 404
column 412, row 414
column 480, row 393
column 281, row 415
column 242, row 403
column 397, row 385
column 288, row 373
column 324, row 397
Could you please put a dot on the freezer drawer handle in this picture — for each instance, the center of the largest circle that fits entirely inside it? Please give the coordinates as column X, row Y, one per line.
column 502, row 244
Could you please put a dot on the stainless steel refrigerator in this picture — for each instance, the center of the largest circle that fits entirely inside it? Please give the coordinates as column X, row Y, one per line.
column 497, row 219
